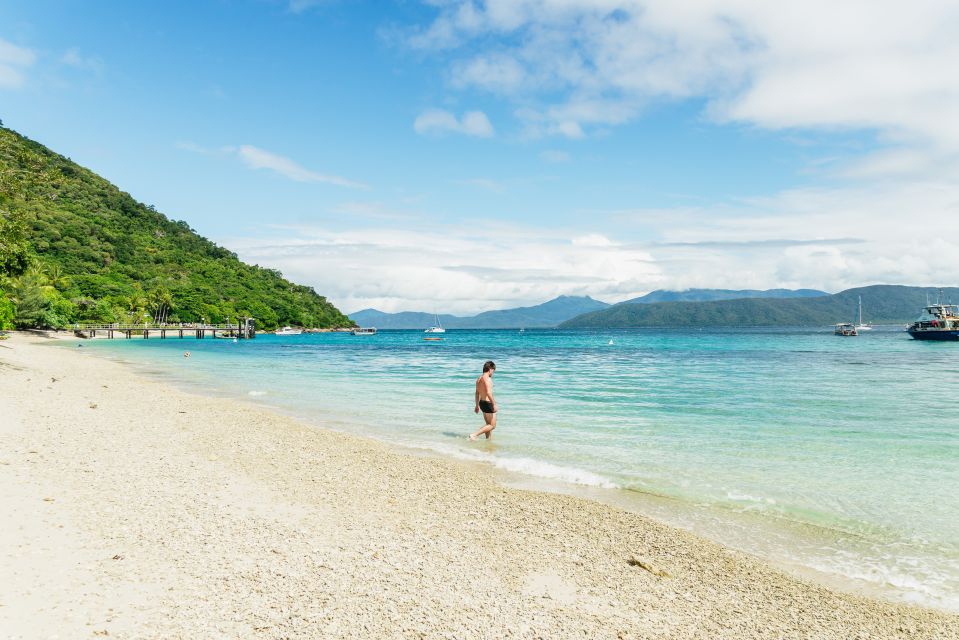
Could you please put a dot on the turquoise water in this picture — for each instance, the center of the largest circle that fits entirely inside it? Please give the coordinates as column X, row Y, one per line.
column 839, row 455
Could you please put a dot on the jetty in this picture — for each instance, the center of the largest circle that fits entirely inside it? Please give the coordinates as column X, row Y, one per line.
column 245, row 329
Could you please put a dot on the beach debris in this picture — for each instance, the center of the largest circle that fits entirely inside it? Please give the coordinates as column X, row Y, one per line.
column 52, row 379
column 117, row 557
column 102, row 632
column 633, row 561
column 93, row 405
column 48, row 499
column 186, row 354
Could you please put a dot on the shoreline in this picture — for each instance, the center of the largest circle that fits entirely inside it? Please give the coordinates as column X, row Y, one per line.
column 803, row 549
column 237, row 521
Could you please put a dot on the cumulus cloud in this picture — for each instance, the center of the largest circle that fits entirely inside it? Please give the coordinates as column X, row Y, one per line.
column 823, row 238
column 257, row 158
column 13, row 61
column 878, row 65
column 468, row 270
column 438, row 121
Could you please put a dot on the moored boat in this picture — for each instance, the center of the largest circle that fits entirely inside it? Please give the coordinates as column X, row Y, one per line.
column 363, row 331
column 937, row 322
column 288, row 331
column 845, row 329
column 437, row 328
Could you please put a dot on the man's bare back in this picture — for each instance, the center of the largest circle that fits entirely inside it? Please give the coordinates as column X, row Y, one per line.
column 485, row 402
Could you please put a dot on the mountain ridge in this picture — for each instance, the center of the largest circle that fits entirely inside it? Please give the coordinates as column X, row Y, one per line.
column 547, row 314
column 704, row 295
column 881, row 304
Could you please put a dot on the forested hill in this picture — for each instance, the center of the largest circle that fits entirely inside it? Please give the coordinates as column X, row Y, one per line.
column 702, row 295
column 76, row 248
column 881, row 304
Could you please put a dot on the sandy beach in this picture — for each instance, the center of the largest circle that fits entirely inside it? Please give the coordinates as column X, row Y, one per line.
column 135, row 510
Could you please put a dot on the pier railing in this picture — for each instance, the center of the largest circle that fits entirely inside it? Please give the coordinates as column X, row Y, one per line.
column 120, row 326
column 244, row 329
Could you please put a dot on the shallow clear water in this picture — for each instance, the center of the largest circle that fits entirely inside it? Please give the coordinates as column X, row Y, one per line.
column 836, row 454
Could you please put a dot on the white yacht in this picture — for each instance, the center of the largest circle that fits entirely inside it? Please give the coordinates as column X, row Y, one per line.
column 436, row 328
column 363, row 331
column 288, row 331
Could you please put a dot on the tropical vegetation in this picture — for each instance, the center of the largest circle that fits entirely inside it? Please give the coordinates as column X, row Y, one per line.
column 74, row 248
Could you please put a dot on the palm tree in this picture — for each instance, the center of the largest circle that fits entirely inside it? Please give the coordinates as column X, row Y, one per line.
column 136, row 305
column 161, row 303
column 57, row 278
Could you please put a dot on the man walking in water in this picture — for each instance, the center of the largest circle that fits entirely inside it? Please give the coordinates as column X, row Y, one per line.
column 485, row 402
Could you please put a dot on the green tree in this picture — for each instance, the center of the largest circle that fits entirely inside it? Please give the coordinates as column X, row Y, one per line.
column 14, row 255
column 28, row 296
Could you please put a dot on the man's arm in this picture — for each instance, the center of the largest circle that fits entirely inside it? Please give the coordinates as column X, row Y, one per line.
column 476, row 395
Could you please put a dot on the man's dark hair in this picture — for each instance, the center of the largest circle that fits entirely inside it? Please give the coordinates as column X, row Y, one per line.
column 489, row 364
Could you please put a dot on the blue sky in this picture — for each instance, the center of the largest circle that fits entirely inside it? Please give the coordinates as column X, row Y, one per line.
column 463, row 156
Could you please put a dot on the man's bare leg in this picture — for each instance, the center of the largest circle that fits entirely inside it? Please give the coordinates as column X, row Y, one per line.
column 487, row 430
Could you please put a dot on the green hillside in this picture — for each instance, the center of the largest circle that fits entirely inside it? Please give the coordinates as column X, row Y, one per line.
column 881, row 304
column 73, row 247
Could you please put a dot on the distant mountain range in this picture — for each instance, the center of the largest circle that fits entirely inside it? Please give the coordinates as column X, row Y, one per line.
column 881, row 304
column 702, row 295
column 548, row 314
column 554, row 312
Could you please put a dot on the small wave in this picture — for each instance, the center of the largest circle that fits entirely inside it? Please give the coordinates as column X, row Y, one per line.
column 528, row 466
column 256, row 393
column 542, row 469
column 745, row 497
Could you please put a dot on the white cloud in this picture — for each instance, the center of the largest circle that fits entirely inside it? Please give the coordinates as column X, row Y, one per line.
column 257, row 158
column 13, row 61
column 74, row 58
column 824, row 238
column 473, row 123
column 458, row 270
column 878, row 65
column 828, row 239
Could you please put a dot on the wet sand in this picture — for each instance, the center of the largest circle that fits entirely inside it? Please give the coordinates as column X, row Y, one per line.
column 137, row 510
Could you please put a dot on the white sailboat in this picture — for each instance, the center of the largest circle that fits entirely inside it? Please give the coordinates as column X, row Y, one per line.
column 861, row 326
column 436, row 328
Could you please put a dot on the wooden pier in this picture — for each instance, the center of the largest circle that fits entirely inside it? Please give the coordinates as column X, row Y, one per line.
column 243, row 330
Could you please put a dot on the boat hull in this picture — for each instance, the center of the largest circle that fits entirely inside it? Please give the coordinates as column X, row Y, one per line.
column 935, row 334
